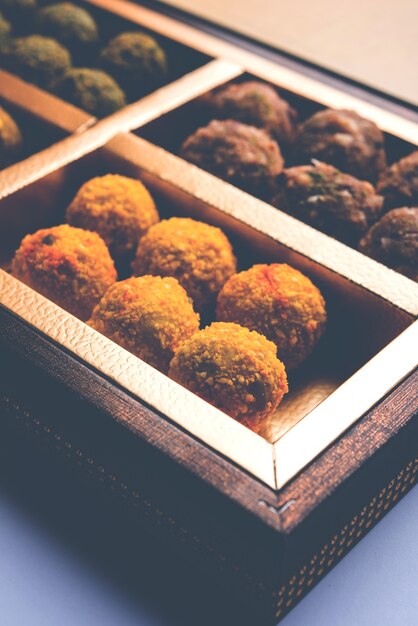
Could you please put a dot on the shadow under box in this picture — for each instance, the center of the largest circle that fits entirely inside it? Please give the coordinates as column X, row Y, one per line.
column 360, row 324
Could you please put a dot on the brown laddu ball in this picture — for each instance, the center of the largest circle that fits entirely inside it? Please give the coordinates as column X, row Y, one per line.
column 254, row 103
column 281, row 303
column 393, row 241
column 238, row 153
column 68, row 265
column 336, row 203
column 150, row 316
column 399, row 182
column 234, row 369
column 344, row 139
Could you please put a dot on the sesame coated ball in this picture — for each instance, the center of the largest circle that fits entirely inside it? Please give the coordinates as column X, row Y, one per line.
column 234, row 369
column 119, row 208
column 242, row 155
column 199, row 255
column 393, row 241
column 344, row 139
column 70, row 266
column 150, row 316
column 281, row 303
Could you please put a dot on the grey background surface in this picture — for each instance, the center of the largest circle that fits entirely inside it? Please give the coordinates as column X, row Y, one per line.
column 372, row 41
column 64, row 562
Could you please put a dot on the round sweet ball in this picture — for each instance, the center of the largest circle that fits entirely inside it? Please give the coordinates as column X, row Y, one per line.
column 5, row 31
column 399, row 183
column 238, row 153
column 234, row 369
column 150, row 316
column 119, row 208
column 136, row 61
column 69, row 24
column 92, row 90
column 198, row 255
column 393, row 241
column 336, row 203
column 254, row 103
column 18, row 9
column 37, row 59
column 11, row 141
column 70, row 266
column 344, row 139
column 281, row 303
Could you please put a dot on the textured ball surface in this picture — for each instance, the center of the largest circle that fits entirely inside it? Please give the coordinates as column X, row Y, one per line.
column 234, row 369
column 344, row 139
column 254, row 103
column 198, row 255
column 119, row 208
column 37, row 59
column 240, row 154
column 92, row 90
column 393, row 241
column 70, row 266
column 335, row 203
column 150, row 316
column 281, row 303
column 136, row 61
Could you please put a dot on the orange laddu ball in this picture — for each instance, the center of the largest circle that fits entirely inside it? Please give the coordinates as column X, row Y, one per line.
column 119, row 208
column 234, row 369
column 279, row 302
column 68, row 265
column 198, row 255
column 150, row 316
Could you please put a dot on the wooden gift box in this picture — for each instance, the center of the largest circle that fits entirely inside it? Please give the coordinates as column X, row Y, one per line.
column 267, row 515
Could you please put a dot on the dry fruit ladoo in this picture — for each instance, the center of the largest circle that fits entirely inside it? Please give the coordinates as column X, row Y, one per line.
column 119, row 208
column 68, row 265
column 393, row 240
column 92, row 90
column 234, row 369
column 69, row 24
column 344, row 139
column 136, row 61
column 281, row 303
column 200, row 256
column 150, row 316
column 332, row 201
column 399, row 183
column 243, row 155
column 254, row 103
column 37, row 59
